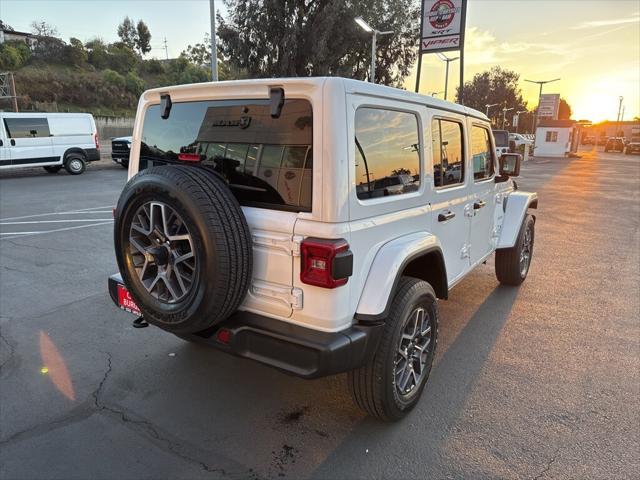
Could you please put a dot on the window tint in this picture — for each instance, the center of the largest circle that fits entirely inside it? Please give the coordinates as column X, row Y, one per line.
column 27, row 127
column 448, row 154
column 482, row 153
column 266, row 161
column 387, row 153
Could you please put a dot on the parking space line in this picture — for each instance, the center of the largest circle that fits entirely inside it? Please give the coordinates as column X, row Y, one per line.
column 75, row 211
column 75, row 220
column 77, row 227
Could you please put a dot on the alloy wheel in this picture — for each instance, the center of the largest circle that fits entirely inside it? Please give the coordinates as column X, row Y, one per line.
column 413, row 352
column 162, row 252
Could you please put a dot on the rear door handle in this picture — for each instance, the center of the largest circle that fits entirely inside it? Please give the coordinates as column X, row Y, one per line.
column 479, row 204
column 443, row 217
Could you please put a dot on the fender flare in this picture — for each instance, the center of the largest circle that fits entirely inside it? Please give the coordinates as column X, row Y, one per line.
column 515, row 208
column 387, row 268
column 73, row 150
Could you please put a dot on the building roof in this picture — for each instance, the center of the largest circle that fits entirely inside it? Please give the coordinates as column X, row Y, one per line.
column 548, row 122
column 19, row 34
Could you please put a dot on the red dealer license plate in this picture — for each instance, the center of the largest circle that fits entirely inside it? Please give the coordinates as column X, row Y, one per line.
column 126, row 302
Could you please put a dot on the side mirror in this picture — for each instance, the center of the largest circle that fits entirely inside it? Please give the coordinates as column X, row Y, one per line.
column 509, row 165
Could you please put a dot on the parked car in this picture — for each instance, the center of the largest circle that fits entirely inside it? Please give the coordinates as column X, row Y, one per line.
column 633, row 146
column 519, row 140
column 241, row 225
column 120, row 148
column 614, row 144
column 589, row 140
column 502, row 142
column 602, row 141
column 49, row 140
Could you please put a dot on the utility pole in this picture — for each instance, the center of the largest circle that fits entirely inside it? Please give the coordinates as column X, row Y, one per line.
column 518, row 120
column 444, row 58
column 374, row 34
column 166, row 49
column 535, row 118
column 214, row 50
column 619, row 117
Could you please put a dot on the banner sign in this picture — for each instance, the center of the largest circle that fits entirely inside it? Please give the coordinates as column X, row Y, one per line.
column 442, row 25
column 549, row 105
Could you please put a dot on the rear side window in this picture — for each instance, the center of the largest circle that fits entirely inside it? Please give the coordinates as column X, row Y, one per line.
column 482, row 153
column 266, row 161
column 387, row 153
column 30, row 127
column 448, row 153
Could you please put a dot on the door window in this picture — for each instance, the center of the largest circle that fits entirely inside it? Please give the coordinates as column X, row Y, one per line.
column 30, row 127
column 482, row 153
column 387, row 153
column 448, row 154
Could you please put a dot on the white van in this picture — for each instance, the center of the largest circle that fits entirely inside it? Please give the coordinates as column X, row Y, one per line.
column 49, row 140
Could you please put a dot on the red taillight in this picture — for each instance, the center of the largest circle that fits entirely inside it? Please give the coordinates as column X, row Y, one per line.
column 189, row 157
column 325, row 263
column 96, row 139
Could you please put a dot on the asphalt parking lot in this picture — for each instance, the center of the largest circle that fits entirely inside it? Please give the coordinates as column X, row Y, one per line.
column 541, row 381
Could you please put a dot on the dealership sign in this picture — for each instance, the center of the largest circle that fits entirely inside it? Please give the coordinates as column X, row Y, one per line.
column 442, row 25
column 549, row 105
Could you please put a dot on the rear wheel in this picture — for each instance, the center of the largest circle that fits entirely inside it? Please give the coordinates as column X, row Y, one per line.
column 53, row 168
column 512, row 264
column 75, row 164
column 390, row 384
column 183, row 247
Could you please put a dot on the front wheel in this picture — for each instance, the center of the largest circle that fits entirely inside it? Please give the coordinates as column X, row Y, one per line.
column 390, row 384
column 512, row 264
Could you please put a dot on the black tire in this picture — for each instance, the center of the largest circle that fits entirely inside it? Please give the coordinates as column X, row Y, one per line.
column 75, row 164
column 374, row 386
column 53, row 168
column 509, row 267
column 124, row 163
column 220, row 240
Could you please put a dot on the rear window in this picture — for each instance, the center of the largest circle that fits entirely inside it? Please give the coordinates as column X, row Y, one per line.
column 267, row 162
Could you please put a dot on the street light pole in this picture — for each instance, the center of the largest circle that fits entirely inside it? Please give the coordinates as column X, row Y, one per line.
column 518, row 120
column 541, row 83
column 214, row 50
column 444, row 58
column 374, row 36
column 504, row 115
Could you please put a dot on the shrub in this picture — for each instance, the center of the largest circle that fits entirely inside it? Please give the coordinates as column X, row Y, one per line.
column 13, row 55
column 113, row 79
column 134, row 84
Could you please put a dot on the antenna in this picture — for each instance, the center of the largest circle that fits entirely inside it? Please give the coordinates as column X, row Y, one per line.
column 166, row 49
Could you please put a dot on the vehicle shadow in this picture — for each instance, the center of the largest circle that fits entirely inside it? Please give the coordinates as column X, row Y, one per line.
column 220, row 406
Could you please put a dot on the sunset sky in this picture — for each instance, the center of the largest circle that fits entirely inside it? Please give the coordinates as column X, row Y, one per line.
column 593, row 46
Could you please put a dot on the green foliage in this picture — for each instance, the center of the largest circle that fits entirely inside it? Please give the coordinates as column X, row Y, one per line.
column 127, row 32
column 13, row 55
column 49, row 50
column 75, row 53
column 494, row 86
column 97, row 53
column 276, row 39
column 113, row 78
column 143, row 38
column 564, row 110
column 200, row 53
column 152, row 66
column 121, row 58
column 133, row 84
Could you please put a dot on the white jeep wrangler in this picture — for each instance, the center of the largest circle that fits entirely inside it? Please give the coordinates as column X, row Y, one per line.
column 311, row 224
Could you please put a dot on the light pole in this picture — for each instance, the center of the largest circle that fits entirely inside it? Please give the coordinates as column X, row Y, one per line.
column 504, row 115
column 374, row 34
column 518, row 119
column 444, row 58
column 615, row 134
column 541, row 83
column 488, row 106
column 214, row 50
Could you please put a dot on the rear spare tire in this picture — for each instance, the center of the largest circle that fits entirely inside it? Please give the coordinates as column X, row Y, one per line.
column 183, row 247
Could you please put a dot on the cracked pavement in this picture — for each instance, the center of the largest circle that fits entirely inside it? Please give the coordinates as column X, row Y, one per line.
column 537, row 382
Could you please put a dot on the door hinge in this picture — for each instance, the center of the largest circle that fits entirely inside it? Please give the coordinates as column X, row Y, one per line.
column 291, row 245
column 465, row 251
column 291, row 297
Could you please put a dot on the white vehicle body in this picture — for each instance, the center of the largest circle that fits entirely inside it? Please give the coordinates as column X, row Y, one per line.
column 461, row 224
column 520, row 139
column 46, row 139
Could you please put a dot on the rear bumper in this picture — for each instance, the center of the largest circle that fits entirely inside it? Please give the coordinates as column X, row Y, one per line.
column 92, row 154
column 291, row 348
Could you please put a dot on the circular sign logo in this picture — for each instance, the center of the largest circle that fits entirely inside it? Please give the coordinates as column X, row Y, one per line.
column 441, row 14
